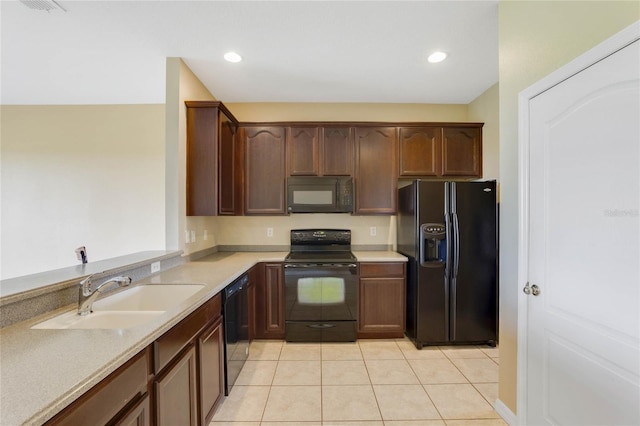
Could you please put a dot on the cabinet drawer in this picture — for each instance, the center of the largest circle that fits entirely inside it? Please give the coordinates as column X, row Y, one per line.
column 109, row 397
column 381, row 269
column 174, row 340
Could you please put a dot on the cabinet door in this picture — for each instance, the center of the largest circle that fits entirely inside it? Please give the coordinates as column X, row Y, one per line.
column 102, row 403
column 139, row 415
column 202, row 161
column 211, row 371
column 462, row 151
column 336, row 157
column 381, row 308
column 255, row 274
column 176, row 392
column 420, row 151
column 381, row 311
column 265, row 170
column 302, row 151
column 270, row 303
column 229, row 168
column 376, row 170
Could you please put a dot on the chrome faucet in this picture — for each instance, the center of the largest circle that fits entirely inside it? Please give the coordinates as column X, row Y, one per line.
column 88, row 296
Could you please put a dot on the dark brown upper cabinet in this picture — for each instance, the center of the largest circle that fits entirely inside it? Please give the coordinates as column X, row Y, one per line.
column 376, row 174
column 420, row 149
column 303, row 151
column 336, row 147
column 319, row 151
column 441, row 151
column 211, row 159
column 265, row 170
column 230, row 169
column 462, row 151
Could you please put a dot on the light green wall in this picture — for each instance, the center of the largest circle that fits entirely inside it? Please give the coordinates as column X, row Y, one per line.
column 283, row 111
column 485, row 109
column 535, row 38
column 76, row 175
column 183, row 85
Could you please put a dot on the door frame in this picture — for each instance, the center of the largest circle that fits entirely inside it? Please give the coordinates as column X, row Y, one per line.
column 587, row 59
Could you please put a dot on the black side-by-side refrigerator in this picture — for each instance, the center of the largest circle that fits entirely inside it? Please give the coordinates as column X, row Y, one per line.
column 448, row 230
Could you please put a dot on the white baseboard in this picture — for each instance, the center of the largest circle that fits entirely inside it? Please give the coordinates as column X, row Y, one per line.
column 506, row 414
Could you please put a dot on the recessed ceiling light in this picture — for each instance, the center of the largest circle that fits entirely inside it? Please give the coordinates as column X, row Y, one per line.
column 436, row 57
column 232, row 57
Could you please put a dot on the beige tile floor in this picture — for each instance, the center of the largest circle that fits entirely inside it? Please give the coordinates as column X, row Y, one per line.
column 366, row 383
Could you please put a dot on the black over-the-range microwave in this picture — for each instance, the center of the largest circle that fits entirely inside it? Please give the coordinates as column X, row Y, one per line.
column 319, row 194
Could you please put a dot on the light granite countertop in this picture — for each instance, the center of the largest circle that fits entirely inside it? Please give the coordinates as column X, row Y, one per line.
column 43, row 371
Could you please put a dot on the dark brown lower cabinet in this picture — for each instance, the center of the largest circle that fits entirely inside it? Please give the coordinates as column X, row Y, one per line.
column 176, row 392
column 188, row 362
column 255, row 274
column 210, row 348
column 110, row 400
column 269, row 300
column 139, row 415
column 381, row 303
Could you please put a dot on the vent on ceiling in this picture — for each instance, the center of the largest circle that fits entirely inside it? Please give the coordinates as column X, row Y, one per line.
column 47, row 5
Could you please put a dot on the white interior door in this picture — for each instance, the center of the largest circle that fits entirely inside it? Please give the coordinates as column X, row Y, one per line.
column 583, row 328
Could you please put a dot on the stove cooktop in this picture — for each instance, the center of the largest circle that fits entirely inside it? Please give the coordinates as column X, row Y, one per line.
column 320, row 246
column 321, row 257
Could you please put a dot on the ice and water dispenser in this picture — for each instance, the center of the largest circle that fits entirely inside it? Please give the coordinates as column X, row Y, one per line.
column 433, row 245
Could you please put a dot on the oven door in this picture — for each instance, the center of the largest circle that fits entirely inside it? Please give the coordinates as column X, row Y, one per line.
column 320, row 302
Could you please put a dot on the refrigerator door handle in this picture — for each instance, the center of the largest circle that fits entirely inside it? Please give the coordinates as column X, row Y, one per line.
column 421, row 253
column 447, row 263
column 456, row 245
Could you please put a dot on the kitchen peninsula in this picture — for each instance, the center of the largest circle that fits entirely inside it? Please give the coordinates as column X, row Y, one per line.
column 45, row 370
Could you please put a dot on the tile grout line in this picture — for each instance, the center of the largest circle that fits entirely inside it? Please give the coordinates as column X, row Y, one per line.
column 364, row 361
column 264, row 409
column 469, row 380
column 422, row 385
column 321, row 390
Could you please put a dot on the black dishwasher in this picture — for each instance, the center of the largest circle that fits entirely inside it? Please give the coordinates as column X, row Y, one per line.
column 236, row 330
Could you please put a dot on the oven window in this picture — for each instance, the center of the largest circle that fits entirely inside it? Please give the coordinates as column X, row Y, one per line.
column 321, row 290
column 313, row 197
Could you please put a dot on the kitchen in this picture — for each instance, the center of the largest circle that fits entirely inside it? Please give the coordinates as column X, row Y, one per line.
column 518, row 22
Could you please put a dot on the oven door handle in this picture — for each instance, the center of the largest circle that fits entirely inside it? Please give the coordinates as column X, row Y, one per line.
column 320, row 265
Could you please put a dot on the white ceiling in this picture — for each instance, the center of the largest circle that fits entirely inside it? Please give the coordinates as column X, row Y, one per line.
column 107, row 52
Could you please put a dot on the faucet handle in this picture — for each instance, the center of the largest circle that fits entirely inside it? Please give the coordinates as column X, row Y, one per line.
column 85, row 285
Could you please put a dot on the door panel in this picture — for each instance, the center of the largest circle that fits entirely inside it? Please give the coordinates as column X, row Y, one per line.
column 474, row 298
column 583, row 329
column 432, row 287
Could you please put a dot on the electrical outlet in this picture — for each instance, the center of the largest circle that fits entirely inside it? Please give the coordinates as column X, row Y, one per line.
column 373, row 231
column 206, row 235
column 269, row 232
column 155, row 267
column 193, row 236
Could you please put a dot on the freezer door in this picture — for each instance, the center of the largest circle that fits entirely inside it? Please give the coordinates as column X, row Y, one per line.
column 432, row 285
column 474, row 289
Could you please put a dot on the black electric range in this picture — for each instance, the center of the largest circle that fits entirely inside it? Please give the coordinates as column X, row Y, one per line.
column 321, row 282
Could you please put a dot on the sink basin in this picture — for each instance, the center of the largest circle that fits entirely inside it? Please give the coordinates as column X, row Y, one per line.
column 154, row 297
column 126, row 309
column 99, row 320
